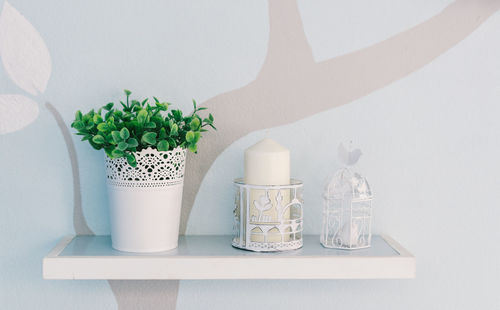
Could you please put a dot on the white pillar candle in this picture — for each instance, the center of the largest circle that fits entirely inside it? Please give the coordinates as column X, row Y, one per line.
column 267, row 163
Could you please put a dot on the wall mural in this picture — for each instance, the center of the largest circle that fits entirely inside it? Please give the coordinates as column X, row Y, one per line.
column 288, row 78
column 26, row 60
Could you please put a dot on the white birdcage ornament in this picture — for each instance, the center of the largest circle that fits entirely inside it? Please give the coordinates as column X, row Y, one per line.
column 347, row 207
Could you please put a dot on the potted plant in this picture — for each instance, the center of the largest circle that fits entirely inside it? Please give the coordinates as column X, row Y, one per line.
column 145, row 151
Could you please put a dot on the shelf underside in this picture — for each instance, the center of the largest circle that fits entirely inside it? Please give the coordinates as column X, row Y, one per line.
column 213, row 257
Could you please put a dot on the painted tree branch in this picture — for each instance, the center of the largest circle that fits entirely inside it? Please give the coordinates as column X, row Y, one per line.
column 291, row 86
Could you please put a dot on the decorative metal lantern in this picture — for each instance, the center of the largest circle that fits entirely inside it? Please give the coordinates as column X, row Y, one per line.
column 268, row 218
column 347, row 211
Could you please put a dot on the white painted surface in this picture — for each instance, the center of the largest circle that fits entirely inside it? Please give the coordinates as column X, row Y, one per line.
column 212, row 257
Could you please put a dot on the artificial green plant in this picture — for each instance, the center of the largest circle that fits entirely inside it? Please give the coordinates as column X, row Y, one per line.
column 139, row 125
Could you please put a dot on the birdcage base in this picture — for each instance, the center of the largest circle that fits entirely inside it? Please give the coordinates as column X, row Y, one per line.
column 344, row 247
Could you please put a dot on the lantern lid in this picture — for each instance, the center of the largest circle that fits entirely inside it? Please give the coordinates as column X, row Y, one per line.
column 347, row 184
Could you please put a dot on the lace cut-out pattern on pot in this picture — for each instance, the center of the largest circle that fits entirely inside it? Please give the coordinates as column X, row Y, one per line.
column 154, row 169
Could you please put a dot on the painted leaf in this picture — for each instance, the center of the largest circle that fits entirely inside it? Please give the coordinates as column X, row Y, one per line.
column 24, row 54
column 16, row 112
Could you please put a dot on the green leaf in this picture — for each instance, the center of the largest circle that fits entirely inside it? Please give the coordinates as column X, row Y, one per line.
column 171, row 142
column 98, row 139
column 197, row 136
column 127, row 92
column 109, row 138
column 177, row 114
column 103, row 127
column 174, row 130
column 150, row 125
column 158, row 120
column 149, row 138
column 132, row 142
column 194, row 104
column 97, row 119
column 109, row 106
column 193, row 148
column 162, row 146
column 116, row 136
column 141, row 116
column 201, row 109
column 86, row 117
column 163, row 134
column 211, row 117
column 108, row 151
column 133, row 125
column 195, row 124
column 161, row 106
column 95, row 145
column 131, row 159
column 189, row 136
column 124, row 133
column 86, row 137
column 122, row 146
column 117, row 153
column 78, row 125
column 108, row 115
column 78, row 115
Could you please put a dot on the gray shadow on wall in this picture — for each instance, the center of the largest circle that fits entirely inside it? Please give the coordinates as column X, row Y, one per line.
column 292, row 86
column 79, row 222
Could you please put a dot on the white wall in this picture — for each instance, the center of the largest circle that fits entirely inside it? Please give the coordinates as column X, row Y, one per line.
column 430, row 142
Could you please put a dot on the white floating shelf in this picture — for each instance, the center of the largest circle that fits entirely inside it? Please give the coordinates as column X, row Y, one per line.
column 213, row 257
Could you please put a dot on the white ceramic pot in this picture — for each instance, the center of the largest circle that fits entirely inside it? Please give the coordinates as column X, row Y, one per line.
column 145, row 201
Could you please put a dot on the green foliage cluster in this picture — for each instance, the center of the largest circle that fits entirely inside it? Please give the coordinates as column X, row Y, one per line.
column 139, row 125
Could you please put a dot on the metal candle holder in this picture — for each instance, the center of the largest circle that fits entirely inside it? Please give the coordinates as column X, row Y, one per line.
column 268, row 218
